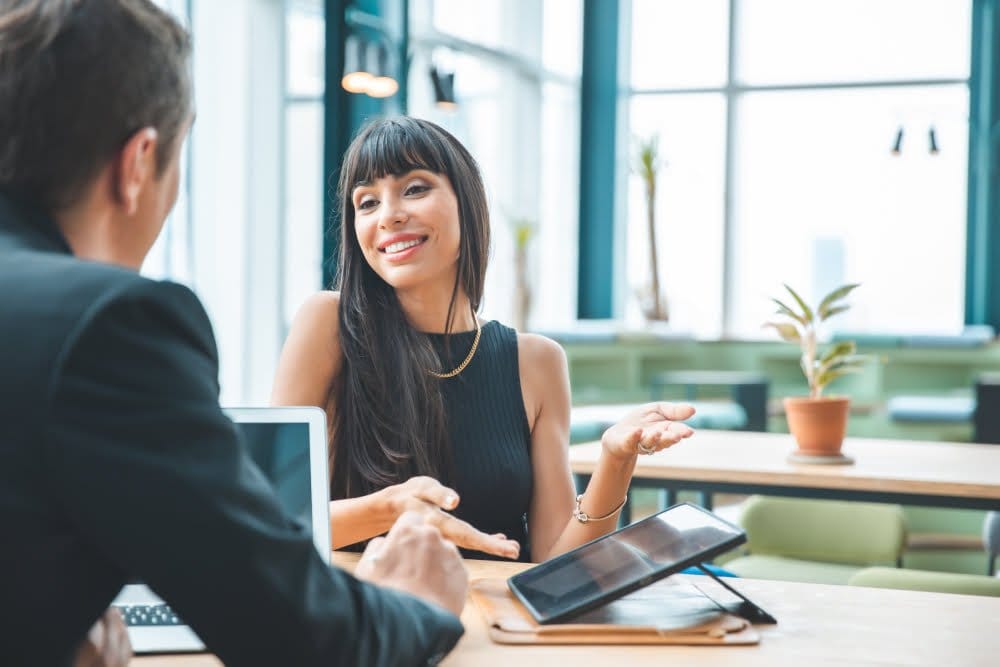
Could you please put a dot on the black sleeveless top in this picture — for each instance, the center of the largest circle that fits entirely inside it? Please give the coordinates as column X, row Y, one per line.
column 490, row 438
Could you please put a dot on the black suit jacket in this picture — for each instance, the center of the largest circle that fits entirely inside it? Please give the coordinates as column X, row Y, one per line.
column 116, row 462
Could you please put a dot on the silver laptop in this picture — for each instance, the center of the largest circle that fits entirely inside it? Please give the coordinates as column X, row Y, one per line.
column 289, row 446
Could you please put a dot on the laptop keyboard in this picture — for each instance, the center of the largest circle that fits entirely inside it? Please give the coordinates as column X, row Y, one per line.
column 148, row 614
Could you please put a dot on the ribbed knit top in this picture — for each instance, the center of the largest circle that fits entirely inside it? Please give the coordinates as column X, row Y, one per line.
column 488, row 427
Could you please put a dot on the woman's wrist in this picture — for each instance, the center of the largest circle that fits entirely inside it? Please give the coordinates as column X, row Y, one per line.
column 618, row 455
column 385, row 506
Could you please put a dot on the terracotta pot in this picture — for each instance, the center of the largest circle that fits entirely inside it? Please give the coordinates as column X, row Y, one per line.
column 818, row 424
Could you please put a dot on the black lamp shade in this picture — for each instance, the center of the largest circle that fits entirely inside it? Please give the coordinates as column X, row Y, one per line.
column 444, row 88
column 897, row 145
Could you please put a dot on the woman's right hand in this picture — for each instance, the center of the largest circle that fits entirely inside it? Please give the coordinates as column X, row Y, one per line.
column 433, row 500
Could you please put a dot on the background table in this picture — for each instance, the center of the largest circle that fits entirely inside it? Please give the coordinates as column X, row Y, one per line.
column 909, row 472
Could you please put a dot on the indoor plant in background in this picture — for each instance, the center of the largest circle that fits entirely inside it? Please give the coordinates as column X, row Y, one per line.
column 818, row 422
column 652, row 297
column 523, row 230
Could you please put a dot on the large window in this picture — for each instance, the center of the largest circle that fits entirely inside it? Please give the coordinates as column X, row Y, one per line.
column 777, row 122
column 245, row 234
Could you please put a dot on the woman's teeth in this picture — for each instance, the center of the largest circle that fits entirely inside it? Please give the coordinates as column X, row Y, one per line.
column 400, row 246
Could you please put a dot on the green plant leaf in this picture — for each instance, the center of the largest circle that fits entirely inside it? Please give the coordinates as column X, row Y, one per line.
column 785, row 310
column 825, row 378
column 833, row 311
column 826, row 307
column 807, row 314
column 647, row 161
column 524, row 229
column 788, row 332
column 837, row 353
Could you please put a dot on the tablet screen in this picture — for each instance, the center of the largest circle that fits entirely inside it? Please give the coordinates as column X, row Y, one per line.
column 623, row 561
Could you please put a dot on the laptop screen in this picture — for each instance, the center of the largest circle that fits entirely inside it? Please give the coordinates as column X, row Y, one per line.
column 281, row 451
column 288, row 444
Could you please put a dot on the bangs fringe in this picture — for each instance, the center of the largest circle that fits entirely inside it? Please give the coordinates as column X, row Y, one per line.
column 395, row 148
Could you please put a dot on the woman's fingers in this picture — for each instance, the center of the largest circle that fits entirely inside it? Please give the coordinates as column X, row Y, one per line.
column 660, row 437
column 467, row 537
column 462, row 533
column 435, row 492
column 674, row 411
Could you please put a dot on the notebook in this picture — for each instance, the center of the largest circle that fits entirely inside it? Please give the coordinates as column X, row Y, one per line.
column 289, row 446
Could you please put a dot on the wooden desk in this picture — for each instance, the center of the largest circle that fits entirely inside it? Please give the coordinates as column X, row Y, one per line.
column 817, row 625
column 941, row 474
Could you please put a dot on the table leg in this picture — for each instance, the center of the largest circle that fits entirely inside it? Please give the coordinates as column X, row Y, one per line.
column 706, row 499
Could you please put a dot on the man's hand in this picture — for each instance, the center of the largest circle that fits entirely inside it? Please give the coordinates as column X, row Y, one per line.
column 106, row 645
column 416, row 559
column 429, row 497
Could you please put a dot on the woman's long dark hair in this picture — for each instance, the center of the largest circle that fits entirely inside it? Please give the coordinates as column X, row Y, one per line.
column 389, row 422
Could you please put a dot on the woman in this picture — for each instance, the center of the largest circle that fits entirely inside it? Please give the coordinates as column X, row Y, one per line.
column 427, row 404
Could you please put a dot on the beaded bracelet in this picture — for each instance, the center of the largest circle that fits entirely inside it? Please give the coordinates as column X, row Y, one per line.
column 583, row 517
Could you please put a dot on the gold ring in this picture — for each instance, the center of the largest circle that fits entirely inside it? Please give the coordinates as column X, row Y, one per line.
column 643, row 449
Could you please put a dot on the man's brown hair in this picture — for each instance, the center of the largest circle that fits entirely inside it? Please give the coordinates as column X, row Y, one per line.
column 77, row 79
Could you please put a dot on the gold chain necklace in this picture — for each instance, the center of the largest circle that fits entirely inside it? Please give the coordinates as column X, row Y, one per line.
column 468, row 358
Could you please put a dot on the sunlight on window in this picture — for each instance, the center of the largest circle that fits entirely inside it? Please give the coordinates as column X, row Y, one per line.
column 305, row 48
column 679, row 43
column 304, row 195
column 816, row 195
column 819, row 188
column 853, row 40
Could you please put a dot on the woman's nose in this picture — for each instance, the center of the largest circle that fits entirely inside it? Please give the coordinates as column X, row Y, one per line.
column 393, row 214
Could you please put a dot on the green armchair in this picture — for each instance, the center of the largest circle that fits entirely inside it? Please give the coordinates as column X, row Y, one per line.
column 817, row 541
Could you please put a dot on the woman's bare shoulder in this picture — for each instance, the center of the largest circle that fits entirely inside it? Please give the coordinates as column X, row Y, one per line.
column 316, row 327
column 537, row 351
column 319, row 314
column 311, row 357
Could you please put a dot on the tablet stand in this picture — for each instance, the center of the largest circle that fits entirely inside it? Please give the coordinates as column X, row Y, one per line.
column 747, row 608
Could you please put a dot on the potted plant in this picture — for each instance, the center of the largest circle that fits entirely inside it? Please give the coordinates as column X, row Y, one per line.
column 818, row 422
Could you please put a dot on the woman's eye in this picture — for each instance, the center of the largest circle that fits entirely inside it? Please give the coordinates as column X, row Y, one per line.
column 417, row 188
column 365, row 203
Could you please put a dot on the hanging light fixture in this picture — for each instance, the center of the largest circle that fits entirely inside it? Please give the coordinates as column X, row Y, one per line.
column 356, row 77
column 444, row 88
column 383, row 84
column 932, row 136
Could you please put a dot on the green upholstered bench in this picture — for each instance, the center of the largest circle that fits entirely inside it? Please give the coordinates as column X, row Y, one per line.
column 925, row 580
column 817, row 541
column 588, row 422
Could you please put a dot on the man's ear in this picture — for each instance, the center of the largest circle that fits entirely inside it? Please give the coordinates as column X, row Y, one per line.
column 135, row 167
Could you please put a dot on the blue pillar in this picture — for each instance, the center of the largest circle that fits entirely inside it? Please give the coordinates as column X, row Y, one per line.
column 982, row 284
column 598, row 126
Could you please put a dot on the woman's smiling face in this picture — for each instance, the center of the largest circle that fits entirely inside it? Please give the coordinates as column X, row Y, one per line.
column 407, row 227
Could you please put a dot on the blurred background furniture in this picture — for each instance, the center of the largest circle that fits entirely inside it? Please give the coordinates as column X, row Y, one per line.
column 925, row 580
column 817, row 541
column 588, row 422
column 746, row 389
column 991, row 540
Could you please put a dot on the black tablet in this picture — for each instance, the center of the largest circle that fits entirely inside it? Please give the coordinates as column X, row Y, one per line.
column 623, row 561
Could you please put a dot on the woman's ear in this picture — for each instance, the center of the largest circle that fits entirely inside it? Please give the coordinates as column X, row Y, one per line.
column 135, row 167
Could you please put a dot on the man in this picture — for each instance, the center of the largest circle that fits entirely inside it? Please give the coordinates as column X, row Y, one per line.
column 115, row 459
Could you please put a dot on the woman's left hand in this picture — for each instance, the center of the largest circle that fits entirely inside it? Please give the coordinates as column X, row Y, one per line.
column 648, row 429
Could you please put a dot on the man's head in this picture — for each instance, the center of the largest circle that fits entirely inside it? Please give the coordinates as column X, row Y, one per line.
column 95, row 100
